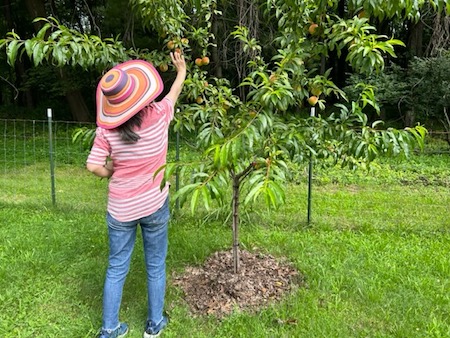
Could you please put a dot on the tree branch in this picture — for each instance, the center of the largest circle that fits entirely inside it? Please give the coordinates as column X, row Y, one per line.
column 243, row 174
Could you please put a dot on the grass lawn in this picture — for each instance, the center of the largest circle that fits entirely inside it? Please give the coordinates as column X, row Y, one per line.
column 375, row 258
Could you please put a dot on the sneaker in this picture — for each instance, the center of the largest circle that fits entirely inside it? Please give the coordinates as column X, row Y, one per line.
column 152, row 332
column 120, row 332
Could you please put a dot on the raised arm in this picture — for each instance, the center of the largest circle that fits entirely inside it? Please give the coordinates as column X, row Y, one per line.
column 177, row 85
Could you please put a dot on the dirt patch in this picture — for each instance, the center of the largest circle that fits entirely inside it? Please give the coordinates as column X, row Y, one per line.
column 214, row 289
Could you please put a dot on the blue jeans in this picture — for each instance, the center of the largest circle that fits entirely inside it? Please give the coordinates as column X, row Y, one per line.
column 122, row 236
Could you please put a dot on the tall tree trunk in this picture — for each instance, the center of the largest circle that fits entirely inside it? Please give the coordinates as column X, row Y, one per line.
column 237, row 180
column 415, row 39
column 78, row 107
column 236, row 186
column 214, row 51
column 27, row 95
column 36, row 8
column 338, row 63
column 440, row 39
column 410, row 117
column 447, row 125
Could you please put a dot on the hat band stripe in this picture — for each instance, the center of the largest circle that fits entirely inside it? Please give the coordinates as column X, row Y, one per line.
column 124, row 94
column 120, row 81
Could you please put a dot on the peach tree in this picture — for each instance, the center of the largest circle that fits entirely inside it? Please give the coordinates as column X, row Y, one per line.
column 249, row 90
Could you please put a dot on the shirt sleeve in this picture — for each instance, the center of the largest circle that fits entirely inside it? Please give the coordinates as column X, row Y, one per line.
column 166, row 106
column 100, row 149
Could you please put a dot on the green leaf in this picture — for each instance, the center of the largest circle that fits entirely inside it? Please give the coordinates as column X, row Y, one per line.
column 359, row 149
column 41, row 34
column 270, row 196
column 254, row 192
column 224, row 154
column 38, row 53
column 29, row 47
column 184, row 191
column 194, row 200
column 206, row 197
column 11, row 50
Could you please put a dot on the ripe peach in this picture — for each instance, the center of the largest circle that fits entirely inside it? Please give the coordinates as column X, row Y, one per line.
column 313, row 28
column 171, row 44
column 312, row 100
column 198, row 62
column 205, row 60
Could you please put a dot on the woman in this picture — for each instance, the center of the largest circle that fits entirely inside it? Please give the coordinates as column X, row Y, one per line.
column 130, row 145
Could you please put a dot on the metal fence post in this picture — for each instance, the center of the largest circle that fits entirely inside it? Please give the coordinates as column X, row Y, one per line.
column 52, row 163
column 177, row 159
column 310, row 173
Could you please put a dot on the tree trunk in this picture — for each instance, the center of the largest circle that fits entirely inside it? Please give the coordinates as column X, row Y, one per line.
column 78, row 107
column 214, row 51
column 236, row 184
column 36, row 8
column 410, row 118
column 27, row 95
column 415, row 39
column 440, row 39
column 447, row 125
column 338, row 63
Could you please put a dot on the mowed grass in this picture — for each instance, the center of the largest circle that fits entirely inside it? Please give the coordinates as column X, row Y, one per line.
column 375, row 257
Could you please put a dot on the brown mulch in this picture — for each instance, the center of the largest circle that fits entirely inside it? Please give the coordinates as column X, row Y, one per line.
column 214, row 288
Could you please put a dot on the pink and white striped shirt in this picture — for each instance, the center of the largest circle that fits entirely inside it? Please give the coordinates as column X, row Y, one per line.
column 133, row 191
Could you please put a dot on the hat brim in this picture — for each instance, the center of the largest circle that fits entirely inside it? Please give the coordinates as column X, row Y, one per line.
column 149, row 86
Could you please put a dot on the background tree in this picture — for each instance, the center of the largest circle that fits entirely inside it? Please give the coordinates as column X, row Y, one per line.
column 412, row 22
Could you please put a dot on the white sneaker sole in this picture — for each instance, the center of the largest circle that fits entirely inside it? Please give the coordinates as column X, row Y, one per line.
column 146, row 335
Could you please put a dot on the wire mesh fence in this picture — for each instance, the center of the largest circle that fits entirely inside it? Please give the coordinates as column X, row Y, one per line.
column 27, row 149
column 26, row 156
column 40, row 162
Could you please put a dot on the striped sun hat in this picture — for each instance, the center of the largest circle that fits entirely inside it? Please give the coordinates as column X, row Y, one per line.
column 124, row 90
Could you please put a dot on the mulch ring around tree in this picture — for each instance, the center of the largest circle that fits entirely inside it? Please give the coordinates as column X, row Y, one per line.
column 214, row 289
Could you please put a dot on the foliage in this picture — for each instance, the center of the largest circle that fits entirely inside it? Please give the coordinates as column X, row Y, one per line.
column 422, row 88
column 83, row 136
column 404, row 9
column 344, row 137
column 365, row 50
column 59, row 45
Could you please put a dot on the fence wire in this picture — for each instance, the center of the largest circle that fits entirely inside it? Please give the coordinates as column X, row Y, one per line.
column 25, row 161
column 25, row 168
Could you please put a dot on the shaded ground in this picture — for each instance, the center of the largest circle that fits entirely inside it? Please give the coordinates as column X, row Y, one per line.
column 214, row 289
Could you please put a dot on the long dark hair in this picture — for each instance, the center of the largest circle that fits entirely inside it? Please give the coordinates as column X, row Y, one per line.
column 126, row 130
